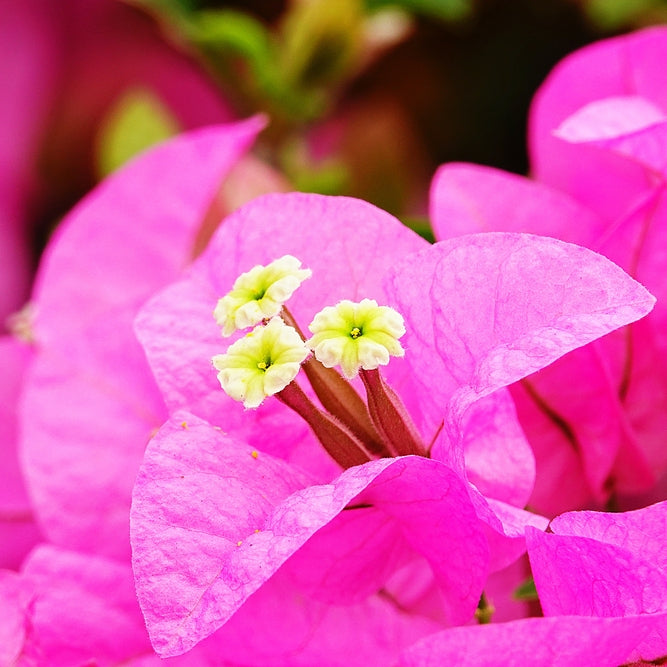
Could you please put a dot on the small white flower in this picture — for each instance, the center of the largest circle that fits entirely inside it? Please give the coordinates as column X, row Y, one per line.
column 262, row 363
column 259, row 294
column 356, row 335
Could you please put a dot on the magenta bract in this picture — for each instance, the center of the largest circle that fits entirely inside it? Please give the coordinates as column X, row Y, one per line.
column 90, row 404
column 598, row 137
column 18, row 532
column 211, row 523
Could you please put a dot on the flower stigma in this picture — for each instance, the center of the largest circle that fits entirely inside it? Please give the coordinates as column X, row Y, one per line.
column 258, row 294
column 356, row 335
column 262, row 363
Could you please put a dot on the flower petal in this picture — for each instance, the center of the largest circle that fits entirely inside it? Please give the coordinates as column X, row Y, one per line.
column 641, row 532
column 18, row 532
column 586, row 577
column 90, row 402
column 626, row 65
column 212, row 521
column 468, row 198
column 29, row 62
column 499, row 461
column 501, row 306
column 16, row 595
column 629, row 126
column 110, row 630
column 550, row 642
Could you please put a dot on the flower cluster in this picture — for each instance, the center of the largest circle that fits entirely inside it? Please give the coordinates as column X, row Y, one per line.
column 238, row 490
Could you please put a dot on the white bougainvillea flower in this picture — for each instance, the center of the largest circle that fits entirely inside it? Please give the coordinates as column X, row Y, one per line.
column 356, row 335
column 262, row 363
column 259, row 294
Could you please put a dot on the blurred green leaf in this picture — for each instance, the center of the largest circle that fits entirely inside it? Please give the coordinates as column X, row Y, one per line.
column 327, row 177
column 447, row 10
column 229, row 29
column 421, row 226
column 137, row 121
column 169, row 9
column 227, row 36
column 614, row 14
column 330, row 178
column 321, row 41
column 526, row 592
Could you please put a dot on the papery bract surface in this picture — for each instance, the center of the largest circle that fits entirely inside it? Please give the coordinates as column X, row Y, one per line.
column 90, row 403
column 597, row 140
column 495, row 308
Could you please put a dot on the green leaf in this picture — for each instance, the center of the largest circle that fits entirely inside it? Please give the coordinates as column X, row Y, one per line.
column 526, row 592
column 138, row 120
column 614, row 14
column 446, row 10
column 170, row 9
column 232, row 30
column 321, row 41
column 421, row 226
column 227, row 36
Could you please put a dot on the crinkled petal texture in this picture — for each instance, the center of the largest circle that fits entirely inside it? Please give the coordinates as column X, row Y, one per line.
column 498, row 458
column 68, row 608
column 621, row 567
column 90, row 403
column 636, row 130
column 77, row 609
column 468, row 198
column 348, row 244
column 15, row 598
column 596, row 417
column 604, row 564
column 486, row 310
column 641, row 532
column 627, row 66
column 18, row 532
column 629, row 126
column 213, row 520
column 561, row 641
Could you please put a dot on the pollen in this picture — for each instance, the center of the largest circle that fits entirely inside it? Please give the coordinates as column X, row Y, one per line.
column 247, row 376
column 254, row 453
column 356, row 335
column 259, row 294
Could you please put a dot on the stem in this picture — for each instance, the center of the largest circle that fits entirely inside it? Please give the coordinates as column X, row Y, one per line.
column 339, row 398
column 339, row 442
column 390, row 417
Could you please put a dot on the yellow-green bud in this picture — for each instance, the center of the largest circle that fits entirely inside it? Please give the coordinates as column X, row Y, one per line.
column 259, row 294
column 262, row 363
column 356, row 335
